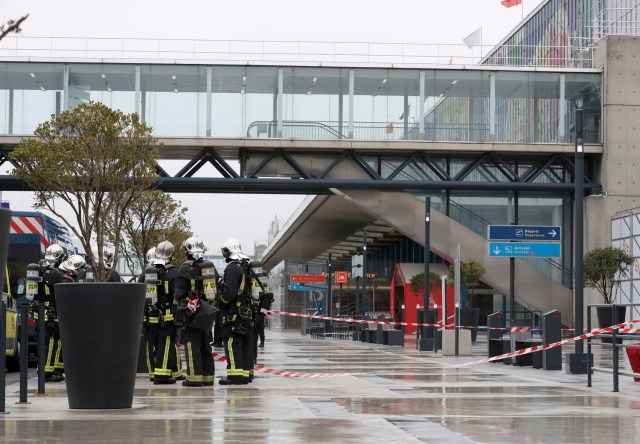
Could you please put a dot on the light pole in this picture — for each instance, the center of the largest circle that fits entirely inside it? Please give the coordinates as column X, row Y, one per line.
column 578, row 362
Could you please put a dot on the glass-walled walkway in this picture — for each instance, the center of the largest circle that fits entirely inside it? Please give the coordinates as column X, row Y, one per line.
column 479, row 104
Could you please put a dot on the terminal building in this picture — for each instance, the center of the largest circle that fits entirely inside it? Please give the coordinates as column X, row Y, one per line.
column 369, row 140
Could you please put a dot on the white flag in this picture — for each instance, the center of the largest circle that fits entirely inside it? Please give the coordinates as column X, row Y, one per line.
column 474, row 39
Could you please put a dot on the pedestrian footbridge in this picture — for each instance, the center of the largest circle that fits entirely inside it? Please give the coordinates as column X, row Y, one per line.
column 485, row 143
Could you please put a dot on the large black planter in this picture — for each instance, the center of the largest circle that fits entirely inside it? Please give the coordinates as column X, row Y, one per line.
column 605, row 319
column 470, row 317
column 100, row 326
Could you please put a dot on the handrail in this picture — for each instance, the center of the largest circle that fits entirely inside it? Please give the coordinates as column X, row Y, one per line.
column 271, row 126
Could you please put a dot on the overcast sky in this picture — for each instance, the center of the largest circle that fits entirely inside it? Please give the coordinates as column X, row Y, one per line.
column 247, row 217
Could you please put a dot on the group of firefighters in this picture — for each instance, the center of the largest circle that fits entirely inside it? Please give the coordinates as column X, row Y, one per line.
column 182, row 305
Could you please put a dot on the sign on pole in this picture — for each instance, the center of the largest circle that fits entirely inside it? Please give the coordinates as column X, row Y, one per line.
column 524, row 249
column 524, row 233
column 318, row 278
column 342, row 277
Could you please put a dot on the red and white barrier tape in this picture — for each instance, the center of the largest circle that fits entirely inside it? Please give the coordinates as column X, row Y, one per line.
column 287, row 374
column 536, row 348
column 439, row 325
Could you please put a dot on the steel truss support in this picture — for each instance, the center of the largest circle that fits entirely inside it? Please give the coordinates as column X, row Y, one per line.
column 259, row 172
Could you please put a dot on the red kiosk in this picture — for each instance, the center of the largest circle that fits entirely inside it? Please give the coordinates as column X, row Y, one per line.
column 401, row 294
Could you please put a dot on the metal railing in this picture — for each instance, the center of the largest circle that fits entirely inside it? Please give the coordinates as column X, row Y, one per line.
column 244, row 51
column 330, row 129
column 616, row 343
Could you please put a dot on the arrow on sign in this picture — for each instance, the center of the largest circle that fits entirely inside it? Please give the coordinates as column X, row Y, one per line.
column 496, row 250
column 553, row 233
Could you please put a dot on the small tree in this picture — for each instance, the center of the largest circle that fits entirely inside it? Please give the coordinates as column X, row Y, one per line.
column 417, row 281
column 602, row 266
column 97, row 161
column 471, row 271
column 151, row 219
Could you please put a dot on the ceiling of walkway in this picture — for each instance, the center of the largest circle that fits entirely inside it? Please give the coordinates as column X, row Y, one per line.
column 324, row 224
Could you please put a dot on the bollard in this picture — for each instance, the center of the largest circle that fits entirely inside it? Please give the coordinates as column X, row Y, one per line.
column 3, row 354
column 41, row 350
column 24, row 353
column 552, row 332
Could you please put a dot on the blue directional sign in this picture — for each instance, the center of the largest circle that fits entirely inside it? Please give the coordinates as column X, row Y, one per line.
column 524, row 232
column 295, row 286
column 524, row 249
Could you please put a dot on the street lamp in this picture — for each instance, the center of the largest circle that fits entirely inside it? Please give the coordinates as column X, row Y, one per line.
column 578, row 361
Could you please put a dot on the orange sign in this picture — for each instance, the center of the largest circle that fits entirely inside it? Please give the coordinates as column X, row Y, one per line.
column 318, row 278
column 341, row 277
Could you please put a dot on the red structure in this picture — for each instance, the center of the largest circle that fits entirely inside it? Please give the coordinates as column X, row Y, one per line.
column 401, row 294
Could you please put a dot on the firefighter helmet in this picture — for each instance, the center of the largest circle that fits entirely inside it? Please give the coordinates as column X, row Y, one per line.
column 74, row 264
column 231, row 249
column 151, row 255
column 107, row 255
column 55, row 254
column 194, row 247
column 164, row 253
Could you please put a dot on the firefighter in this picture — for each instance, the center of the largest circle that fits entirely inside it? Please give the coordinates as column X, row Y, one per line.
column 168, row 363
column 108, row 255
column 51, row 275
column 107, row 258
column 235, row 303
column 151, row 320
column 72, row 268
column 188, row 290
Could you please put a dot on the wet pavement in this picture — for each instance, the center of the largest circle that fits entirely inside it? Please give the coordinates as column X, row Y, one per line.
column 392, row 394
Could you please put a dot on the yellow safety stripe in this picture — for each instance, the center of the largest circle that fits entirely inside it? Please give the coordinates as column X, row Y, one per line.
column 245, row 373
column 165, row 361
column 57, row 364
column 48, row 366
column 177, row 374
column 207, row 378
column 162, row 372
column 232, row 360
column 191, row 375
column 148, row 355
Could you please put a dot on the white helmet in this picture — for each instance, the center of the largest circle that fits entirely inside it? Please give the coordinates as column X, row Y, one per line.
column 194, row 247
column 55, row 254
column 107, row 255
column 231, row 249
column 151, row 255
column 74, row 264
column 164, row 253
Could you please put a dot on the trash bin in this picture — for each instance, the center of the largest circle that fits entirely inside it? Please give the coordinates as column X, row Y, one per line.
column 634, row 359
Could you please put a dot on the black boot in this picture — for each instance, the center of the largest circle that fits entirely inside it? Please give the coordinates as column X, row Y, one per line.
column 229, row 382
column 191, row 384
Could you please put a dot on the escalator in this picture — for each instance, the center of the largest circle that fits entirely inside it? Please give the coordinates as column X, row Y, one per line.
column 534, row 290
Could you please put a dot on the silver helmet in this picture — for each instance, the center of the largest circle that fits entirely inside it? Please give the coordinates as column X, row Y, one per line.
column 151, row 255
column 55, row 254
column 164, row 253
column 194, row 247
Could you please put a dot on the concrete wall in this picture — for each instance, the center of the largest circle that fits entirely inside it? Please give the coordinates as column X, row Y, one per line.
column 619, row 171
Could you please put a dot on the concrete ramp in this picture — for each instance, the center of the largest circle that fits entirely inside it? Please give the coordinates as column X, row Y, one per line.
column 405, row 213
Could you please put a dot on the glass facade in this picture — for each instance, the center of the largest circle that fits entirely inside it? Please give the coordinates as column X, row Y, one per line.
column 441, row 104
column 562, row 33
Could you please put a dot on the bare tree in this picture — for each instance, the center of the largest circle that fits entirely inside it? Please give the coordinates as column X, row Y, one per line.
column 11, row 26
column 151, row 219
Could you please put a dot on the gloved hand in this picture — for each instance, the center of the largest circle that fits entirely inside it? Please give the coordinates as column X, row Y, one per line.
column 193, row 304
